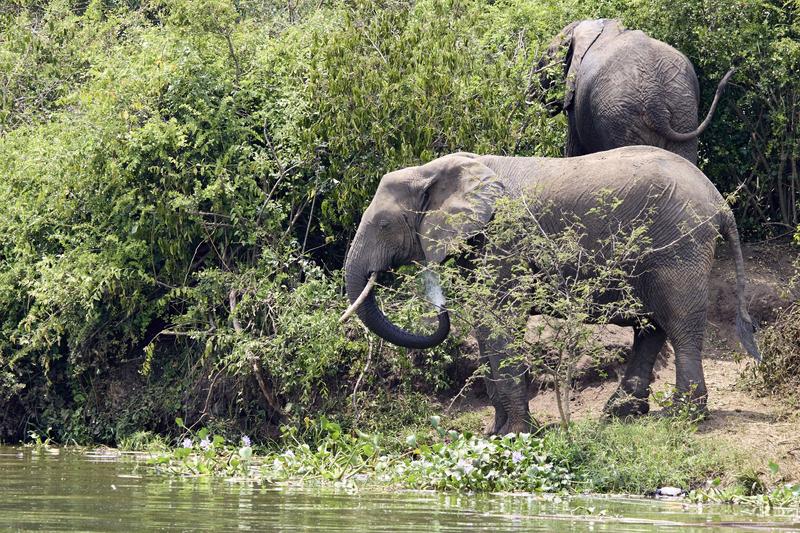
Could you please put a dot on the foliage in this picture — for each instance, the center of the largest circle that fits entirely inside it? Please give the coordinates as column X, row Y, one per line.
column 324, row 453
column 203, row 453
column 467, row 462
column 633, row 458
column 640, row 457
column 142, row 441
column 753, row 493
column 779, row 370
column 161, row 210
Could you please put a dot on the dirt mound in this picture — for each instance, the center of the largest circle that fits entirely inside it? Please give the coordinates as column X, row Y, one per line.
column 770, row 269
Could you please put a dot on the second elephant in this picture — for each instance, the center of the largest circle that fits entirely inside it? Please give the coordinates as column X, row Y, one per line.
column 625, row 88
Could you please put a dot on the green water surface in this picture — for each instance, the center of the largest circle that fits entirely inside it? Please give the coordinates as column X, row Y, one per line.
column 60, row 490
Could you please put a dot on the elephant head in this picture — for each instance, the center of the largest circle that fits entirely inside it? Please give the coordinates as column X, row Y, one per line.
column 417, row 215
column 568, row 49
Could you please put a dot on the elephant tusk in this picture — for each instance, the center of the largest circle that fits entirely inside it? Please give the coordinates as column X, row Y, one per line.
column 361, row 297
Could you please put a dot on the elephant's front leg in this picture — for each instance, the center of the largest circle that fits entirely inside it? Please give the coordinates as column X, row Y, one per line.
column 507, row 384
column 500, row 413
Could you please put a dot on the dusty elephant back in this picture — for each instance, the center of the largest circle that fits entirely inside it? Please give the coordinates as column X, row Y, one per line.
column 642, row 184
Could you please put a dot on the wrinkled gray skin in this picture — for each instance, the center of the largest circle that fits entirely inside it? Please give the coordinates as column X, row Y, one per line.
column 416, row 211
column 624, row 88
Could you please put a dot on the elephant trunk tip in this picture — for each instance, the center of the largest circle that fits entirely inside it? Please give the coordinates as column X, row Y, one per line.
column 433, row 289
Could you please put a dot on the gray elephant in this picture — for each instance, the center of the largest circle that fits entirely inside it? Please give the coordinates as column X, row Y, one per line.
column 624, row 88
column 417, row 209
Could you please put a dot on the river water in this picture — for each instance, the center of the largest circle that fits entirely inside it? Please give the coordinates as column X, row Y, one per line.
column 60, row 490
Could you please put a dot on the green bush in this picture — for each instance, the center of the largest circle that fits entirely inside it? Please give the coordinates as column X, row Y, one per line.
column 779, row 370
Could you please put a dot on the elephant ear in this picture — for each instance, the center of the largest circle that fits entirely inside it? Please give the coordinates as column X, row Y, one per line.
column 580, row 39
column 461, row 197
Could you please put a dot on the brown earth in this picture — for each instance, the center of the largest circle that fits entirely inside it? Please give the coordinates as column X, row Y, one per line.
column 763, row 428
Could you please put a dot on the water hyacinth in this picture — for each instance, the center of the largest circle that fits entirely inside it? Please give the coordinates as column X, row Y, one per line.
column 509, row 463
column 465, row 466
column 452, row 461
column 218, row 456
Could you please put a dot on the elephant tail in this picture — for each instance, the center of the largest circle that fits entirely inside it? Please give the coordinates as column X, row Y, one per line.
column 675, row 136
column 744, row 324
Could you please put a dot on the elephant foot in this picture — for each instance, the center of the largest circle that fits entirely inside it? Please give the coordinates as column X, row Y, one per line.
column 626, row 405
column 682, row 406
column 517, row 424
column 500, row 421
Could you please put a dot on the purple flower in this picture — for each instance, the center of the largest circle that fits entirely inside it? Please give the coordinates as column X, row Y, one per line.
column 245, row 440
column 516, row 457
column 205, row 443
column 187, row 443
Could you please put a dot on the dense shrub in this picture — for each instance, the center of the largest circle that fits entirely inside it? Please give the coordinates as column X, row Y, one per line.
column 779, row 370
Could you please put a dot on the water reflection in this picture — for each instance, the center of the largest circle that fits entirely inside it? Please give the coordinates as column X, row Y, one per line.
column 103, row 491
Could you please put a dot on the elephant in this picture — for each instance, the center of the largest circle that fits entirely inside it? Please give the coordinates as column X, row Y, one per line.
column 624, row 88
column 418, row 212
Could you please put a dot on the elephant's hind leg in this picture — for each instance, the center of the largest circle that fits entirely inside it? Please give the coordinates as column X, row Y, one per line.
column 690, row 383
column 631, row 396
column 683, row 317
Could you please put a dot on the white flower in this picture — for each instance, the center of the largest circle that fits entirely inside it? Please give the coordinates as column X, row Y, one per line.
column 465, row 466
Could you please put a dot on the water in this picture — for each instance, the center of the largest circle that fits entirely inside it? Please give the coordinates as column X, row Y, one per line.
column 72, row 491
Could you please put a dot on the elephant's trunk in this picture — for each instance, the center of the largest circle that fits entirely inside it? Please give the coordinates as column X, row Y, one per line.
column 356, row 278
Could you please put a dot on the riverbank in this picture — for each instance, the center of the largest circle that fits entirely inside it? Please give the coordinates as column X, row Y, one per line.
column 648, row 457
column 745, row 451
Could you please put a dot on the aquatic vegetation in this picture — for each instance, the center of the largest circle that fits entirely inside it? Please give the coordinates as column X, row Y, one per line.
column 324, row 453
column 633, row 458
column 783, row 495
column 202, row 453
column 514, row 462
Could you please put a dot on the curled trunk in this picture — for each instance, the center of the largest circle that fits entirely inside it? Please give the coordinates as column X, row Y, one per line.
column 372, row 317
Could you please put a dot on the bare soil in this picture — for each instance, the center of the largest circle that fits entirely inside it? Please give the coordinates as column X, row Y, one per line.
column 764, row 429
